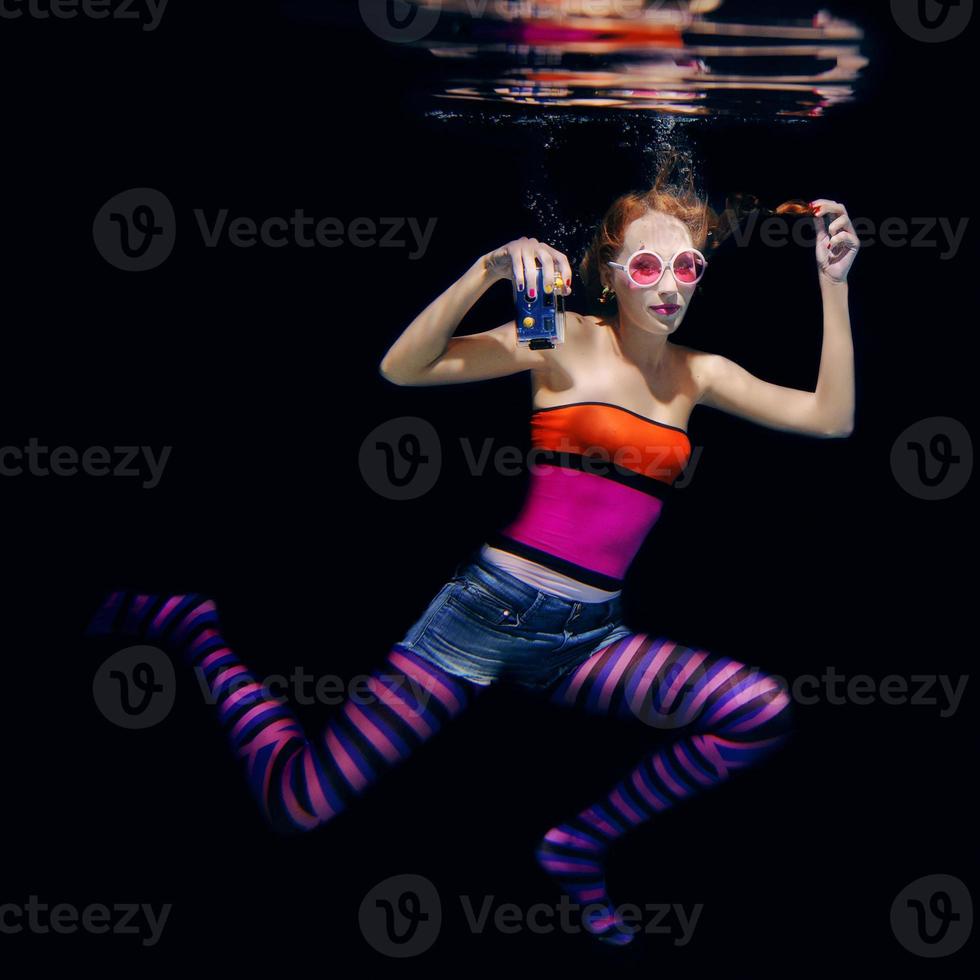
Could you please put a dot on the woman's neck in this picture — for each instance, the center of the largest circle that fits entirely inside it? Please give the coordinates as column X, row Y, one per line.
column 642, row 347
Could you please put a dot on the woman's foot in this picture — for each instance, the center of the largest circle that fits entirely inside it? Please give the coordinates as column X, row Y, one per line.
column 573, row 855
column 187, row 622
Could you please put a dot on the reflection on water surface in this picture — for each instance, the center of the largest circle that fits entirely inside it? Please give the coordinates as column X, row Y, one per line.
column 681, row 59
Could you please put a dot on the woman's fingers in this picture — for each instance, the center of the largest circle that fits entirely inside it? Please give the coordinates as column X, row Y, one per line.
column 555, row 266
column 828, row 236
column 843, row 238
column 825, row 206
column 838, row 243
column 547, row 261
column 563, row 268
column 822, row 235
column 527, row 255
column 516, row 266
column 530, row 268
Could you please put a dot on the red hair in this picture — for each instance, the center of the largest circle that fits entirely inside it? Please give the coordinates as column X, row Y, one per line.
column 677, row 199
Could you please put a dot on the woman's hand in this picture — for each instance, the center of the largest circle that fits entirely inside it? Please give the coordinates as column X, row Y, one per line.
column 836, row 245
column 520, row 259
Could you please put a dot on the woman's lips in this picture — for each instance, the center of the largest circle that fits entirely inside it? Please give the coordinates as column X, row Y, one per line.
column 668, row 309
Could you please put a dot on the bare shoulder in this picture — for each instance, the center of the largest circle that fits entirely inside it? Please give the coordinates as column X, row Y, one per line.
column 581, row 329
column 578, row 331
column 561, row 362
column 574, row 321
column 701, row 366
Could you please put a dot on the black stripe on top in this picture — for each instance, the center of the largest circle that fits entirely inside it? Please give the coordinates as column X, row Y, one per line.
column 585, row 575
column 606, row 468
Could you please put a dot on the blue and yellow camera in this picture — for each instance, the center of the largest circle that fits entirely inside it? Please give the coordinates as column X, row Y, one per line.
column 540, row 321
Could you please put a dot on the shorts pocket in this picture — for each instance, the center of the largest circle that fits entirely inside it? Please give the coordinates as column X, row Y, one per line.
column 415, row 631
column 476, row 601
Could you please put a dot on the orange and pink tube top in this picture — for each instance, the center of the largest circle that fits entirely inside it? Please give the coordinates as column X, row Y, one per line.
column 599, row 476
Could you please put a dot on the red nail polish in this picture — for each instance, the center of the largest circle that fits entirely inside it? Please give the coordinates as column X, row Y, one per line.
column 530, row 293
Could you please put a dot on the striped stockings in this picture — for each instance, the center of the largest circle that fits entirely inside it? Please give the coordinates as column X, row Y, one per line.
column 299, row 783
column 732, row 715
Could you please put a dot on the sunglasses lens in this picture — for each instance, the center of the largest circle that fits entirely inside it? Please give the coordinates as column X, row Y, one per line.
column 688, row 267
column 646, row 268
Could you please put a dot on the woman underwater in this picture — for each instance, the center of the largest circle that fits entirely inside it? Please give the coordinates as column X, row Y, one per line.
column 539, row 605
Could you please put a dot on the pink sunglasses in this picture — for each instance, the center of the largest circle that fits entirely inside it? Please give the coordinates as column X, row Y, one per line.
column 645, row 268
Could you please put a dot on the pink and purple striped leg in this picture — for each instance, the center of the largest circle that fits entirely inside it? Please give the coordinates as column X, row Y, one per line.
column 732, row 716
column 298, row 783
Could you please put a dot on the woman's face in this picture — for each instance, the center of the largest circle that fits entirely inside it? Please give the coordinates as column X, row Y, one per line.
column 659, row 308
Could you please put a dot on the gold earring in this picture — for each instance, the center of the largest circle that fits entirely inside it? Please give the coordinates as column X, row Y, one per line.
column 607, row 294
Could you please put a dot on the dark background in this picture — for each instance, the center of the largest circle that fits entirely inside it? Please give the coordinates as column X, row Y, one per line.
column 259, row 367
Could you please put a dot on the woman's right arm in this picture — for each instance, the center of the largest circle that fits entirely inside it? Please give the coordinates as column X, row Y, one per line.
column 426, row 353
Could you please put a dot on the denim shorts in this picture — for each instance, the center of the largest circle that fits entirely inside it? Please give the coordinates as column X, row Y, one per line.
column 487, row 625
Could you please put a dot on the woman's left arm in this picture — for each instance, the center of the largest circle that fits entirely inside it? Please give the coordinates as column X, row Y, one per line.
column 828, row 411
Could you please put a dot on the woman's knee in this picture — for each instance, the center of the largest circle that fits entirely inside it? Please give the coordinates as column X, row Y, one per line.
column 767, row 711
column 751, row 705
